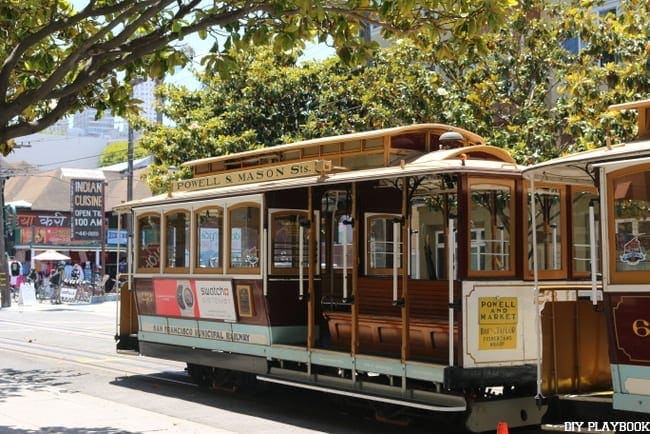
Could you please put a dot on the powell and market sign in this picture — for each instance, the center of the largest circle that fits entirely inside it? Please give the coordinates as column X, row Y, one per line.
column 257, row 174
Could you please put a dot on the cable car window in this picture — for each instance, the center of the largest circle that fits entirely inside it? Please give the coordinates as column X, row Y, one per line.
column 550, row 218
column 380, row 244
column 244, row 229
column 209, row 239
column 581, row 252
column 177, row 239
column 336, row 229
column 490, row 226
column 285, row 241
column 148, row 242
column 630, row 198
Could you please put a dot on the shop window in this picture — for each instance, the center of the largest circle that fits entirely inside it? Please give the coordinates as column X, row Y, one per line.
column 629, row 203
column 244, row 228
column 177, row 240
column 148, row 242
column 209, row 240
column 491, row 208
column 550, row 222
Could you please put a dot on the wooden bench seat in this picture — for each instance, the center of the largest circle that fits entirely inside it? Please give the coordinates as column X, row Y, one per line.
column 380, row 321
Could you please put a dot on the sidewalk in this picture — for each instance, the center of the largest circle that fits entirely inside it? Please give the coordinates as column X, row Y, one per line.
column 53, row 410
column 47, row 304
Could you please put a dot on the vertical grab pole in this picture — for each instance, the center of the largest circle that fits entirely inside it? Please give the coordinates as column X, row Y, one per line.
column 538, row 308
column 396, row 238
column 265, row 246
column 345, row 259
column 301, row 249
column 451, row 244
column 592, row 254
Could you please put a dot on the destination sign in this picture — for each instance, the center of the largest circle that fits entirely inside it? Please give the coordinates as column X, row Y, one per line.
column 497, row 320
column 256, row 174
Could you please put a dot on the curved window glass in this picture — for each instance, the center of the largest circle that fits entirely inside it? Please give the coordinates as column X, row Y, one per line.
column 209, row 240
column 148, row 242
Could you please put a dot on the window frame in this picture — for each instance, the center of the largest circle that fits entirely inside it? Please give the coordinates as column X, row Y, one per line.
column 572, row 243
column 228, row 249
column 380, row 271
column 513, row 234
column 563, row 271
column 626, row 276
column 165, row 242
column 279, row 212
column 138, row 218
column 197, row 243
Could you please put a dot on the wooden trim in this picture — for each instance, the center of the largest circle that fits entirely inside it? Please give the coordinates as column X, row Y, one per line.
column 311, row 287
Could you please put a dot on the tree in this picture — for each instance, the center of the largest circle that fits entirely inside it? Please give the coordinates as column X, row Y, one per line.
column 56, row 60
column 528, row 93
column 116, row 152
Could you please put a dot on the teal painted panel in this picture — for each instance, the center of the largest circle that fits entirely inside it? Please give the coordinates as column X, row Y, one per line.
column 295, row 354
column 629, row 402
column 435, row 373
column 333, row 359
column 621, row 374
column 380, row 366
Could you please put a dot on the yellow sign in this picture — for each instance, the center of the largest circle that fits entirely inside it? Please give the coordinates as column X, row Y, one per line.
column 257, row 174
column 497, row 320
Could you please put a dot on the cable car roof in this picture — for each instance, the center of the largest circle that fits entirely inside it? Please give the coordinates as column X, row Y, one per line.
column 579, row 168
column 480, row 159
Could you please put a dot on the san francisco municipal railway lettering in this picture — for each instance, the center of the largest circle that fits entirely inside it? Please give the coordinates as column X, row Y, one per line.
column 219, row 335
column 252, row 175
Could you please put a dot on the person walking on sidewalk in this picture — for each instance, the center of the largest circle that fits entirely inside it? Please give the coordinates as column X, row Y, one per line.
column 55, row 282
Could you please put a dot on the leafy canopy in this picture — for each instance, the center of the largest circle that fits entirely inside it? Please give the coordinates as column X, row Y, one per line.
column 528, row 93
column 56, row 60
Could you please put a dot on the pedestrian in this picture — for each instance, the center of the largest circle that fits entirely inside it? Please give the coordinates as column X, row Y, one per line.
column 55, row 283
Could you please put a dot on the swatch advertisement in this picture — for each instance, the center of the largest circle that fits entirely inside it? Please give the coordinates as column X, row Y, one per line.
column 210, row 299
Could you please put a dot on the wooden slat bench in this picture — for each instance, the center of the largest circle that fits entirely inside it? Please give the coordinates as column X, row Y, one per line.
column 380, row 322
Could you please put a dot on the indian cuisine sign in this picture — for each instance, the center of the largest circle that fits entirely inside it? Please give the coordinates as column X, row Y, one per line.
column 257, row 174
column 497, row 320
column 87, row 204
